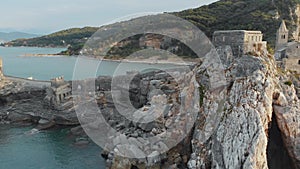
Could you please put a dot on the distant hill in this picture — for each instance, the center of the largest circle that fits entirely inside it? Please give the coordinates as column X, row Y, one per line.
column 263, row 15
column 5, row 37
column 64, row 38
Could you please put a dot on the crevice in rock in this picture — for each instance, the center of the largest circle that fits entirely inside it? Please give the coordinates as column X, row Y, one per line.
column 2, row 102
column 134, row 167
column 277, row 154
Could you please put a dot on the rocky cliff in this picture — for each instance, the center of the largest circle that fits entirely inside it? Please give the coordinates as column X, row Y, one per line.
column 250, row 122
column 242, row 134
column 24, row 103
column 249, row 119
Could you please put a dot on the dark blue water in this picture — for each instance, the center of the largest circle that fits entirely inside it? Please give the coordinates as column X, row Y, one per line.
column 53, row 149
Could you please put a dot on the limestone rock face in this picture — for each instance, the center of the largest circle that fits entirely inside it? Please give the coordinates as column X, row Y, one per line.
column 231, row 128
column 288, row 120
column 235, row 120
column 237, row 136
column 288, row 123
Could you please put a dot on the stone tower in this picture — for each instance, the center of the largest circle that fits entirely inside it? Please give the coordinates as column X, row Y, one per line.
column 281, row 36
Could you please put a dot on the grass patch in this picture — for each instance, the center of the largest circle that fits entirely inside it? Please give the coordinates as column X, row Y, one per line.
column 289, row 83
column 201, row 95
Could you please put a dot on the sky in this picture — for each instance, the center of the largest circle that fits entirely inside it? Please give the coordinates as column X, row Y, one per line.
column 48, row 16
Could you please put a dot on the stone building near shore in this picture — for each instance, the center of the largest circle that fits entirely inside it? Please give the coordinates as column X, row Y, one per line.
column 59, row 91
column 241, row 41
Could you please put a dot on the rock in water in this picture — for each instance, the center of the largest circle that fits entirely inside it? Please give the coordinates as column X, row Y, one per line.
column 45, row 125
column 32, row 131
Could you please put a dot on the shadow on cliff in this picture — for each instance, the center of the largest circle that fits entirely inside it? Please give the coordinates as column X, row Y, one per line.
column 277, row 154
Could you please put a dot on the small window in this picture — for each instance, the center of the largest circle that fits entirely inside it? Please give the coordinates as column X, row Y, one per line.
column 298, row 62
column 282, row 36
column 223, row 38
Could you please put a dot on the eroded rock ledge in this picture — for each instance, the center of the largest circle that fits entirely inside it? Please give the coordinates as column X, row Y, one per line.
column 232, row 128
column 234, row 123
column 239, row 139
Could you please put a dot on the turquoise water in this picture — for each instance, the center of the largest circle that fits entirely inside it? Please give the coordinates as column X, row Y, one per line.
column 45, row 68
column 53, row 149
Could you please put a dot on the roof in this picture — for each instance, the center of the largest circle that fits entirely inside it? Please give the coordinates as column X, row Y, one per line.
column 292, row 44
column 238, row 31
column 282, row 27
column 288, row 45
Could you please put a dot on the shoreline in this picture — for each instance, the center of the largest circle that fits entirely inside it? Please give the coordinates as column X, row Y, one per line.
column 145, row 61
column 42, row 55
column 181, row 62
column 171, row 62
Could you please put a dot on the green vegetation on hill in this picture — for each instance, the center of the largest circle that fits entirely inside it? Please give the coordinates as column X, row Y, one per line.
column 72, row 37
column 263, row 15
column 130, row 45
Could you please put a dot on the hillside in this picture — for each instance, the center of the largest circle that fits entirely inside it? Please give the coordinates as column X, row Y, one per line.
column 73, row 37
column 5, row 37
column 263, row 15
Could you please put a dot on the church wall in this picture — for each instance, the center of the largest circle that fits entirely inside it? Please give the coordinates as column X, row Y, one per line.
column 292, row 64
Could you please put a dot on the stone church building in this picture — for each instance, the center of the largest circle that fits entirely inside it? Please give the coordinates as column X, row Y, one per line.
column 287, row 54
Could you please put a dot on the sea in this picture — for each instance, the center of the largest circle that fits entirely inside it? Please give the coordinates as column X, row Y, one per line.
column 24, row 62
column 55, row 148
column 52, row 149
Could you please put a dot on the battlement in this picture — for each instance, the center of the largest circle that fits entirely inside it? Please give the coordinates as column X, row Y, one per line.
column 58, row 81
column 60, row 90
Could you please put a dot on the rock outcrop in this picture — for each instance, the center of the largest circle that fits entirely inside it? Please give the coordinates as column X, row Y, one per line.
column 287, row 111
column 239, row 136
column 242, row 120
column 235, row 123
column 22, row 103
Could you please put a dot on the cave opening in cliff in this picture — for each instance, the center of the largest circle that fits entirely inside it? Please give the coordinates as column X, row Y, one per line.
column 277, row 154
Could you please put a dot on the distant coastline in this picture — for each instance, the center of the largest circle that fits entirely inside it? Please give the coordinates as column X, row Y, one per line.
column 143, row 61
column 43, row 55
column 173, row 61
